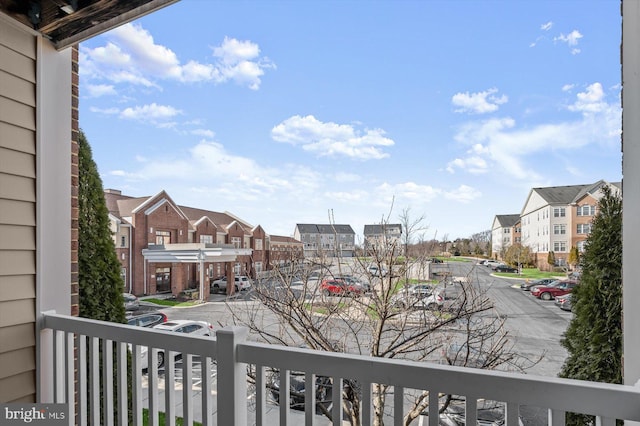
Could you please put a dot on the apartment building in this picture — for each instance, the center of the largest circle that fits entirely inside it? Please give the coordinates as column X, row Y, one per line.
column 553, row 219
column 164, row 247
column 284, row 250
column 326, row 240
column 383, row 236
column 505, row 232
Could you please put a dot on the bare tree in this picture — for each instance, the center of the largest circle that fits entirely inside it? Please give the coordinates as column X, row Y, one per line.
column 388, row 321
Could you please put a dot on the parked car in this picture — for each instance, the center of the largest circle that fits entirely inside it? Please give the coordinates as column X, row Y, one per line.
column 194, row 328
column 482, row 262
column 242, row 282
column 528, row 285
column 421, row 288
column 435, row 260
column 297, row 389
column 366, row 287
column 377, row 272
column 564, row 302
column 405, row 300
column 147, row 320
column 505, row 268
column 333, row 287
column 555, row 289
column 131, row 302
column 492, row 263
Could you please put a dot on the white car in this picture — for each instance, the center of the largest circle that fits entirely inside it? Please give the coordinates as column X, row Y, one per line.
column 377, row 272
column 242, row 282
column 196, row 328
column 431, row 301
column 493, row 263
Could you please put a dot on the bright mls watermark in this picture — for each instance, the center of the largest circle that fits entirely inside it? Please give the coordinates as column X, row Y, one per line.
column 37, row 414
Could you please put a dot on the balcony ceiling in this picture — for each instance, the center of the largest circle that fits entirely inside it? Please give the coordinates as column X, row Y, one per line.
column 66, row 22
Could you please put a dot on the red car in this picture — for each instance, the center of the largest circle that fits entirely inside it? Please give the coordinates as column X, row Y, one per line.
column 557, row 288
column 340, row 288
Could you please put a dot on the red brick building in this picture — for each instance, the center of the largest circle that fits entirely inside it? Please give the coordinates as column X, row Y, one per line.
column 164, row 248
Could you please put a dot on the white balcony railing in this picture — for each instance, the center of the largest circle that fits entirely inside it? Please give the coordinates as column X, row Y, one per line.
column 76, row 369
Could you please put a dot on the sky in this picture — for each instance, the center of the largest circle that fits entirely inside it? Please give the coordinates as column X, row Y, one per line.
column 356, row 112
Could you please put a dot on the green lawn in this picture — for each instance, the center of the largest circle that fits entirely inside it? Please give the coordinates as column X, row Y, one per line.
column 531, row 274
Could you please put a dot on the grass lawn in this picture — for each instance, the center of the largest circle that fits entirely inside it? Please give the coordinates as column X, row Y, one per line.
column 531, row 274
column 168, row 302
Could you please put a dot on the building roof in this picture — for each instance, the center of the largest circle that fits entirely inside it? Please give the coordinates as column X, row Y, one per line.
column 280, row 239
column 507, row 220
column 305, row 228
column 378, row 229
column 122, row 206
column 571, row 193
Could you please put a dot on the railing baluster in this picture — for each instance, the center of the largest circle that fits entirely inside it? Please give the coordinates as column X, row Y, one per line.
column 284, row 398
column 169, row 390
column 309, row 397
column 261, row 393
column 136, row 386
column 187, row 384
column 605, row 421
column 82, row 380
column 123, row 418
column 471, row 410
column 366, row 402
column 511, row 414
column 206, row 384
column 58, row 362
column 398, row 405
column 434, row 408
column 94, row 376
column 336, row 398
column 70, row 379
column 107, row 381
column 152, row 384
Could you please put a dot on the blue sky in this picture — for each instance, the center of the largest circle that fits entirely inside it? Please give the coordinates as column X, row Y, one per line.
column 294, row 112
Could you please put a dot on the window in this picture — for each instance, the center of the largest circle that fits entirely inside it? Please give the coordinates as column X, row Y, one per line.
column 559, row 212
column 163, row 237
column 581, row 245
column 258, row 244
column 258, row 266
column 586, row 210
column 507, row 230
column 236, row 268
column 236, row 241
column 559, row 229
column 584, row 228
column 207, row 239
column 123, row 275
column 123, row 241
column 560, row 246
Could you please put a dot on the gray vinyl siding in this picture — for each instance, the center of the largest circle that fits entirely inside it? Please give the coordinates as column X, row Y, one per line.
column 17, row 214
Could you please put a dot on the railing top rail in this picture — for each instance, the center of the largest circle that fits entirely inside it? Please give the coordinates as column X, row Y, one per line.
column 131, row 334
column 603, row 399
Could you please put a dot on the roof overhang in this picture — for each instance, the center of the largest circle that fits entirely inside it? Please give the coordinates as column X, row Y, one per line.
column 193, row 253
column 67, row 22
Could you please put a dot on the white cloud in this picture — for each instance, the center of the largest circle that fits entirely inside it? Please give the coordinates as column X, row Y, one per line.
column 591, row 100
column 203, row 132
column 547, row 26
column 98, row 90
column 407, row 192
column 478, row 103
column 463, row 194
column 152, row 112
column 331, row 139
column 571, row 40
column 568, row 87
column 132, row 56
column 498, row 145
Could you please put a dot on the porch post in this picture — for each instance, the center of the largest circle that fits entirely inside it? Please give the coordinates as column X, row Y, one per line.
column 631, row 190
column 232, row 377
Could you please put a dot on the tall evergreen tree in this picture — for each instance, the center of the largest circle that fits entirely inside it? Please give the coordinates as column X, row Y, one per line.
column 594, row 335
column 99, row 279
